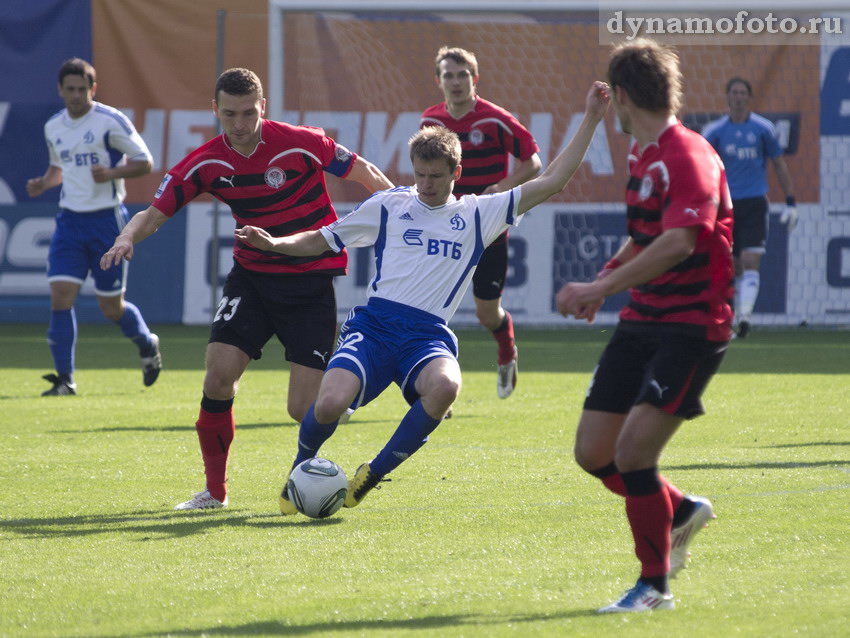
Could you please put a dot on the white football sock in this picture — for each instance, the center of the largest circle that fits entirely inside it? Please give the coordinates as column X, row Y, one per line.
column 748, row 290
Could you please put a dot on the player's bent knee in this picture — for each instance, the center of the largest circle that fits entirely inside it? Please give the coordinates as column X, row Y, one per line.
column 219, row 386
column 586, row 460
column 329, row 408
column 444, row 390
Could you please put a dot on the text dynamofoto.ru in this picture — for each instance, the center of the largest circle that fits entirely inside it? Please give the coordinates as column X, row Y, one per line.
column 743, row 23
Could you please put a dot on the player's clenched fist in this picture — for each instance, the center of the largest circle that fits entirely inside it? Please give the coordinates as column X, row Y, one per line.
column 257, row 237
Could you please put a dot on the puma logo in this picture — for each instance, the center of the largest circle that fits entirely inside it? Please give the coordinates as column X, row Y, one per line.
column 661, row 390
column 321, row 355
column 229, row 180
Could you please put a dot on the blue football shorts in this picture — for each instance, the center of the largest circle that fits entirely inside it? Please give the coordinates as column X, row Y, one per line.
column 386, row 341
column 78, row 243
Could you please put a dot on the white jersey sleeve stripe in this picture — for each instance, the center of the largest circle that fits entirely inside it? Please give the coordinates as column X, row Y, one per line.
column 510, row 218
column 473, row 260
column 334, row 242
column 380, row 245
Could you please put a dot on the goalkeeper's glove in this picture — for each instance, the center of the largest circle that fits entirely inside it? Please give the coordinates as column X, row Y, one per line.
column 789, row 215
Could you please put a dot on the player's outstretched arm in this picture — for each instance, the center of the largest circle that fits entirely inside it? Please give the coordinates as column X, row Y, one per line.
column 308, row 243
column 563, row 167
column 583, row 299
column 369, row 175
column 141, row 226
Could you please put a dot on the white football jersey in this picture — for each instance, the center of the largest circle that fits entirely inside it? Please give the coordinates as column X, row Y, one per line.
column 424, row 256
column 105, row 136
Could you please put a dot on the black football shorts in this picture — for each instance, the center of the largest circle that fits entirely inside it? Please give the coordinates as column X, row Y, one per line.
column 299, row 309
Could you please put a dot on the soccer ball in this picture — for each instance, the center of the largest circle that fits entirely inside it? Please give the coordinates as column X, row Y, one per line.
column 317, row 487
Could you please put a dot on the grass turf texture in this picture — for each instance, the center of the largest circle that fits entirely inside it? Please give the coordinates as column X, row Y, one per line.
column 490, row 530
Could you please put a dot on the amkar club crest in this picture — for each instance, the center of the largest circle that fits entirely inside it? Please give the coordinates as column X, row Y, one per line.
column 274, row 176
column 476, row 136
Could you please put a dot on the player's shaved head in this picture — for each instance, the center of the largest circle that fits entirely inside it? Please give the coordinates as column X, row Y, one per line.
column 239, row 82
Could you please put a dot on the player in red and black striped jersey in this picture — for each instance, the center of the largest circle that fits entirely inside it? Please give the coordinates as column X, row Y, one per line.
column 675, row 329
column 271, row 175
column 489, row 135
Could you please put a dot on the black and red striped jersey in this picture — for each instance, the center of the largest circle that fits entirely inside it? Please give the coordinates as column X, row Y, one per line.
column 280, row 187
column 677, row 182
column 488, row 135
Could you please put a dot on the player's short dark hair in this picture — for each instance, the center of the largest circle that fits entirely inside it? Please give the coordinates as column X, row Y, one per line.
column 737, row 80
column 239, row 82
column 461, row 56
column 77, row 66
column 649, row 73
column 435, row 143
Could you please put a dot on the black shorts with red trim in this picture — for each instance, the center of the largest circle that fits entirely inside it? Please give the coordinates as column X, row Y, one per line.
column 488, row 281
column 299, row 309
column 664, row 365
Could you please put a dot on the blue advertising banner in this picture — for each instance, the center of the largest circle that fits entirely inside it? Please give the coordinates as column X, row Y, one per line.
column 584, row 241
column 35, row 38
column 155, row 282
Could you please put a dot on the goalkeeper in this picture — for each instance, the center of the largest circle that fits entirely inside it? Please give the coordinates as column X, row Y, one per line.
column 745, row 140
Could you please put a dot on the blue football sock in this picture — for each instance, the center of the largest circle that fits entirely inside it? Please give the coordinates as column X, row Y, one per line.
column 411, row 434
column 134, row 328
column 62, row 337
column 311, row 436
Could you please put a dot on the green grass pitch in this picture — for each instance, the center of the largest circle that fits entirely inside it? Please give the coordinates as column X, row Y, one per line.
column 490, row 530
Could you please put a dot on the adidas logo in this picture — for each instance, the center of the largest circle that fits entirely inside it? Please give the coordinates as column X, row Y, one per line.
column 406, row 216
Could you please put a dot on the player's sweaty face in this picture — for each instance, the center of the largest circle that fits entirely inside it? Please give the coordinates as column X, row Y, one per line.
column 77, row 95
column 434, row 180
column 240, row 117
column 456, row 81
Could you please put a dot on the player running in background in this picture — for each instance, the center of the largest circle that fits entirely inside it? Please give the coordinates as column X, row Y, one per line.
column 675, row 329
column 93, row 148
column 489, row 135
column 745, row 140
column 270, row 174
column 427, row 244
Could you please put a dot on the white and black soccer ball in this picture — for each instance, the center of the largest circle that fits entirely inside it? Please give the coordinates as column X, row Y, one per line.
column 317, row 487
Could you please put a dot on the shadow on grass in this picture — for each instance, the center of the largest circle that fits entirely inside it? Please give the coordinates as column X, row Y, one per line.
column 777, row 465
column 152, row 526
column 812, row 444
column 277, row 628
column 187, row 428
column 171, row 428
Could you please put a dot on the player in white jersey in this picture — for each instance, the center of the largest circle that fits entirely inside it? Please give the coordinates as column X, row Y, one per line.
column 427, row 245
column 93, row 148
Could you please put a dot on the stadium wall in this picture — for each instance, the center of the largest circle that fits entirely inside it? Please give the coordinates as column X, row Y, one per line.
column 365, row 78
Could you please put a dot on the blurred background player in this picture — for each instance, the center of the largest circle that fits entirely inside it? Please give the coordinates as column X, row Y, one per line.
column 93, row 148
column 401, row 335
column 271, row 175
column 674, row 331
column 489, row 135
column 745, row 140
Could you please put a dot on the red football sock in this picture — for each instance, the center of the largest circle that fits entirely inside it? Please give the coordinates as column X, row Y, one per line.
column 676, row 496
column 614, row 482
column 650, row 514
column 611, row 479
column 504, row 336
column 215, row 433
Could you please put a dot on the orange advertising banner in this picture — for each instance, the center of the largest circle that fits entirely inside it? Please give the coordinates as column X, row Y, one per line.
column 365, row 78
